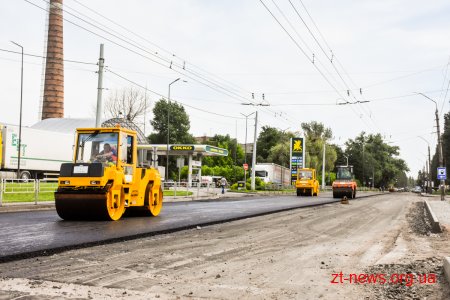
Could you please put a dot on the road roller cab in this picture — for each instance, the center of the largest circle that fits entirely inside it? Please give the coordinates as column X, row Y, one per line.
column 104, row 180
column 306, row 183
column 345, row 184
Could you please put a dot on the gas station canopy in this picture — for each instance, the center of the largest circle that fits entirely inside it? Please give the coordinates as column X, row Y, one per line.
column 181, row 149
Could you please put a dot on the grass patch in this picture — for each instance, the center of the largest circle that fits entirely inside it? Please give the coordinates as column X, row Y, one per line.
column 24, row 191
column 179, row 193
column 28, row 197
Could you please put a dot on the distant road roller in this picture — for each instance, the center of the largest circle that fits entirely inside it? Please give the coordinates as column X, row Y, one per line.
column 107, row 177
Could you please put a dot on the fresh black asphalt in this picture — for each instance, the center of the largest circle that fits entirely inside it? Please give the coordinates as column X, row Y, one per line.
column 33, row 233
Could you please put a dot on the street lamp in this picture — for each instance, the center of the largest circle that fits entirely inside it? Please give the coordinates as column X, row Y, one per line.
column 429, row 164
column 168, row 128
column 441, row 157
column 245, row 150
column 20, row 115
column 346, row 156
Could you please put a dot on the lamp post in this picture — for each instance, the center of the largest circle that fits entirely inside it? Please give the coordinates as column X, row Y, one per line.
column 245, row 150
column 346, row 156
column 168, row 129
column 20, row 114
column 429, row 164
column 441, row 157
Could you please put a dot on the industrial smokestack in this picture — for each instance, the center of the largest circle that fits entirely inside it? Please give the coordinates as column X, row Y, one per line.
column 53, row 101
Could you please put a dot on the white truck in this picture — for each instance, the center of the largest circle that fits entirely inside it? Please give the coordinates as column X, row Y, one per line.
column 42, row 152
column 270, row 172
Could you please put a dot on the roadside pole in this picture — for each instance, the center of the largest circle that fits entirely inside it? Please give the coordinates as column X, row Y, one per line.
column 254, row 153
column 323, row 167
column 1, row 192
column 101, row 62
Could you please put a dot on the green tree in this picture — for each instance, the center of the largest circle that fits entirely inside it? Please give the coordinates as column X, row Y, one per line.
column 179, row 124
column 179, row 130
column 316, row 135
column 280, row 154
column 373, row 159
column 267, row 138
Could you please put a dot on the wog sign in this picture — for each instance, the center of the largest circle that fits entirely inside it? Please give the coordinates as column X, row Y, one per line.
column 297, row 155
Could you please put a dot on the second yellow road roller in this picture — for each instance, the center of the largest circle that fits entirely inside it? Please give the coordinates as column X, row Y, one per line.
column 107, row 177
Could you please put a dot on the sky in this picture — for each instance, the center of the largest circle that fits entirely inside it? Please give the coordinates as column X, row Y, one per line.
column 352, row 65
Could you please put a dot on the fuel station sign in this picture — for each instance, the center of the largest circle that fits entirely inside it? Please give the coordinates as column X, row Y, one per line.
column 297, row 156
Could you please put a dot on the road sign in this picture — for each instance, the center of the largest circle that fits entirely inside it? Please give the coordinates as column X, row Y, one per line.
column 245, row 167
column 180, row 162
column 442, row 173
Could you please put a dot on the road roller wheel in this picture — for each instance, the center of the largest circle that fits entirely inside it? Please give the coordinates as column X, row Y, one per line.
column 115, row 205
column 155, row 201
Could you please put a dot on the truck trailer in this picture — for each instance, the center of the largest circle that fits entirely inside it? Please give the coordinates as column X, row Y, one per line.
column 273, row 173
column 41, row 152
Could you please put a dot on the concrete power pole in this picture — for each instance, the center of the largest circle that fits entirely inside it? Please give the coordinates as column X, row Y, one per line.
column 254, row 153
column 429, row 170
column 441, row 156
column 101, row 64
column 323, row 167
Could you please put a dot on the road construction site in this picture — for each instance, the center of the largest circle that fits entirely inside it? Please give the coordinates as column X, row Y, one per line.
column 291, row 254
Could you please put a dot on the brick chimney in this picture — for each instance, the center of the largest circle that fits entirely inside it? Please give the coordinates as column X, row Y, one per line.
column 53, row 102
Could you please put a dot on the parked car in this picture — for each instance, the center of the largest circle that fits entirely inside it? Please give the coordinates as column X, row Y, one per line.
column 417, row 189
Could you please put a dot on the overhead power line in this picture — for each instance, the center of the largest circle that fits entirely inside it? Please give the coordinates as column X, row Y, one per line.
column 312, row 61
column 171, row 99
column 332, row 59
column 165, row 62
column 40, row 56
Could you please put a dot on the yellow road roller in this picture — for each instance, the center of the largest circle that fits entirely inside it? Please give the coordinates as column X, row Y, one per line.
column 107, row 177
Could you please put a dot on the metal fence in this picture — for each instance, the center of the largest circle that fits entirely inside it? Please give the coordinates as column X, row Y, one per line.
column 22, row 190
column 17, row 190
column 183, row 190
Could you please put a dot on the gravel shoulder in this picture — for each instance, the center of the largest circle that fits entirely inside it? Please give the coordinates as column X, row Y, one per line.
column 288, row 255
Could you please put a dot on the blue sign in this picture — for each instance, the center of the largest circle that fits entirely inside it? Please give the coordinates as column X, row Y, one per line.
column 442, row 173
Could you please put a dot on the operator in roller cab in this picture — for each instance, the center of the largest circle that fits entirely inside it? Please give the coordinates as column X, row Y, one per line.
column 108, row 153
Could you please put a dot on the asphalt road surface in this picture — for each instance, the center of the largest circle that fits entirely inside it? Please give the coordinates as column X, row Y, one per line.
column 287, row 255
column 25, row 234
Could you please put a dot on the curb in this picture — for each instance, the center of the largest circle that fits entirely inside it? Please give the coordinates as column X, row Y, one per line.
column 434, row 220
column 447, row 268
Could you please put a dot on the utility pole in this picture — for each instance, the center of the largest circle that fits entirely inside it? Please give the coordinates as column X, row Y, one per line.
column 373, row 177
column 254, row 140
column 428, row 165
column 252, row 185
column 346, row 156
column 235, row 154
column 429, row 170
column 441, row 156
column 323, row 167
column 364, row 181
column 20, row 113
column 245, row 150
column 168, row 128
column 101, row 64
